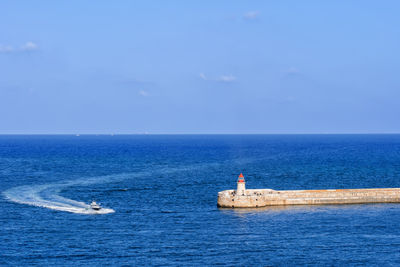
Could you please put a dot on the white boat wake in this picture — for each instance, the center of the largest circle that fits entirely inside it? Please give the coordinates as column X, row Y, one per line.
column 48, row 195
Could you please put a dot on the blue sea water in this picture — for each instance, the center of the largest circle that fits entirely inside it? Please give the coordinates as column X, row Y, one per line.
column 161, row 195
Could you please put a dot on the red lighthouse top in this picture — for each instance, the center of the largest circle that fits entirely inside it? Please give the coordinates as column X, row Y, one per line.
column 241, row 178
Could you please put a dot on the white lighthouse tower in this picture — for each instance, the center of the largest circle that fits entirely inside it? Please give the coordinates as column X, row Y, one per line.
column 241, row 186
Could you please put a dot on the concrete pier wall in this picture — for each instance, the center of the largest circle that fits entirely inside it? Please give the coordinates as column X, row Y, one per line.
column 254, row 198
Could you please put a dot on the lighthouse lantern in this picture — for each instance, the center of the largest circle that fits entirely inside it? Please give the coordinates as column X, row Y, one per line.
column 241, row 186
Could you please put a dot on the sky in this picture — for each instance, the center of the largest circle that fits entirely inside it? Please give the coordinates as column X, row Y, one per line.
column 199, row 67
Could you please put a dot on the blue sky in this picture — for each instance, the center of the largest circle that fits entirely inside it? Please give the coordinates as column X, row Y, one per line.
column 199, row 67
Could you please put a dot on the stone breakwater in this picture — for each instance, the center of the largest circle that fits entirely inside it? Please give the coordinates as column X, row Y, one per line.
column 254, row 198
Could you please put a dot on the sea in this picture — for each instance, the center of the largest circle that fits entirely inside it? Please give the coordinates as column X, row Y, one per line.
column 159, row 199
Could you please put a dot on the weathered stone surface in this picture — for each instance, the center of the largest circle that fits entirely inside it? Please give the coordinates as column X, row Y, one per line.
column 254, row 198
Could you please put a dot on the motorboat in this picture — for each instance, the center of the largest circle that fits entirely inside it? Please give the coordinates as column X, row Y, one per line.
column 95, row 206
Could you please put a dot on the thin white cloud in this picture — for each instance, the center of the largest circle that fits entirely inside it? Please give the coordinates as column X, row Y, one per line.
column 6, row 48
column 251, row 15
column 143, row 93
column 222, row 78
column 203, row 76
column 226, row 78
column 28, row 46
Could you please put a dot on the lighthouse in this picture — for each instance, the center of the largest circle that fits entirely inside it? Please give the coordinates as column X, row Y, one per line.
column 241, row 186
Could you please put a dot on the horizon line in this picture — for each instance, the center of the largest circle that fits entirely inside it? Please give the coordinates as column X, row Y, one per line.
column 113, row 134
